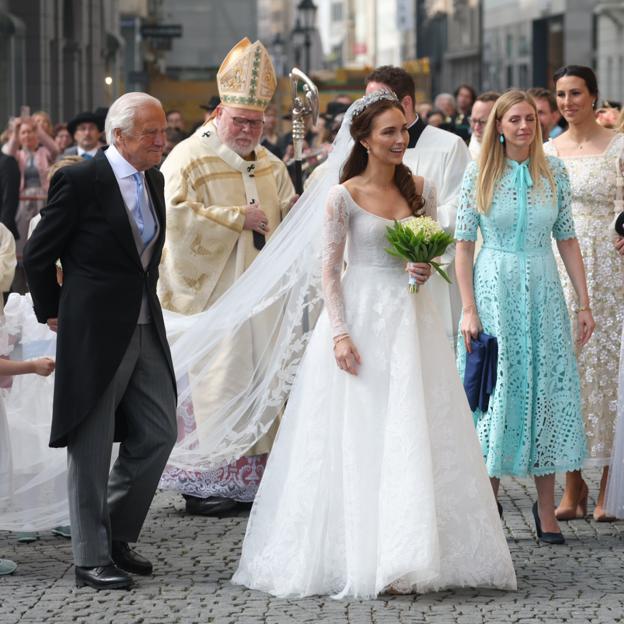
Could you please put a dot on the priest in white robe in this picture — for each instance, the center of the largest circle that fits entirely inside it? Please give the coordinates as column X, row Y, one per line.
column 225, row 194
column 441, row 158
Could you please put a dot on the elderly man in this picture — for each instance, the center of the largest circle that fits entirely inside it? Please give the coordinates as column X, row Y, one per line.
column 225, row 194
column 439, row 156
column 480, row 112
column 105, row 220
column 86, row 129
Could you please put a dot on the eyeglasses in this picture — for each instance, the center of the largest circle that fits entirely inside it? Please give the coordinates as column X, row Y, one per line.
column 241, row 122
column 478, row 122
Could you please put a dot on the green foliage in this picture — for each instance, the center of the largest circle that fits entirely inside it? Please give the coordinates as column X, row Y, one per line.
column 418, row 246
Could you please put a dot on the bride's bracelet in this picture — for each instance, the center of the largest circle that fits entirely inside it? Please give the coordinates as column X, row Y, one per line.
column 340, row 339
column 584, row 308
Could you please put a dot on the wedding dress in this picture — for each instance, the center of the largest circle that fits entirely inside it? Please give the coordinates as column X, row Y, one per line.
column 375, row 480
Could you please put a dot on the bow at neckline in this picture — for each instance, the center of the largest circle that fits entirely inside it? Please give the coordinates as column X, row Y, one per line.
column 522, row 183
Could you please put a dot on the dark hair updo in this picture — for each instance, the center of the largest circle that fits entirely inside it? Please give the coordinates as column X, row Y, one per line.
column 580, row 71
column 361, row 128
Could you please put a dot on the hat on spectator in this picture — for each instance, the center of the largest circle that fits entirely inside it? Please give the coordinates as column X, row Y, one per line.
column 212, row 104
column 85, row 117
column 334, row 109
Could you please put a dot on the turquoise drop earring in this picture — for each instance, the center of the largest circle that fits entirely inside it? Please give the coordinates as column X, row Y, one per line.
column 501, row 138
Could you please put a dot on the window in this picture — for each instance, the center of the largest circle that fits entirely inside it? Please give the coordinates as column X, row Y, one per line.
column 336, row 12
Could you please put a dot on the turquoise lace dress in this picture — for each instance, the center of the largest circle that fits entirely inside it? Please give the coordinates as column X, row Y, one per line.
column 533, row 425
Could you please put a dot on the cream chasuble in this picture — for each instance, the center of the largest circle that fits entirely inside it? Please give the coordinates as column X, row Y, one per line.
column 207, row 189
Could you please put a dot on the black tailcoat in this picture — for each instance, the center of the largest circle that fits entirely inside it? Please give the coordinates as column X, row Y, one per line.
column 86, row 225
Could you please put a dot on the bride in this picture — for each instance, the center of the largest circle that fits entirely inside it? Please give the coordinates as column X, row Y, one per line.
column 376, row 481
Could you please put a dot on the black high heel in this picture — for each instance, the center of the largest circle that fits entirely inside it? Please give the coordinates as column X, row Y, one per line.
column 547, row 538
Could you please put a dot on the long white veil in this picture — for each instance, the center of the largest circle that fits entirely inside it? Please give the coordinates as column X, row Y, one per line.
column 243, row 353
column 33, row 477
column 235, row 363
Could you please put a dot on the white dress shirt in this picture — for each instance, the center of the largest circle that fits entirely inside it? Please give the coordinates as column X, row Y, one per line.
column 82, row 152
column 124, row 171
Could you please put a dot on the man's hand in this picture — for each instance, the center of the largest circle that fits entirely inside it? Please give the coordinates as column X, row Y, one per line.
column 53, row 324
column 43, row 366
column 293, row 201
column 256, row 219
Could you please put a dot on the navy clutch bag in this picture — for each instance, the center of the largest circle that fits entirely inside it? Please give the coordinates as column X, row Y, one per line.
column 480, row 372
column 619, row 224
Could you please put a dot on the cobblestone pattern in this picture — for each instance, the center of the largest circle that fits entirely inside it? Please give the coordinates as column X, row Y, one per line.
column 194, row 558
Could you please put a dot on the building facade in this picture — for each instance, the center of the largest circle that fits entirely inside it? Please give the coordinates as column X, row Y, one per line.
column 61, row 56
column 525, row 41
column 367, row 33
column 610, row 49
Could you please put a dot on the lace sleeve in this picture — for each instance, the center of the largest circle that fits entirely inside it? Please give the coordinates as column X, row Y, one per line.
column 563, row 227
column 467, row 215
column 335, row 227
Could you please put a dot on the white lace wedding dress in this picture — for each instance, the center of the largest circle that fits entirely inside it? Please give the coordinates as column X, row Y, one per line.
column 375, row 480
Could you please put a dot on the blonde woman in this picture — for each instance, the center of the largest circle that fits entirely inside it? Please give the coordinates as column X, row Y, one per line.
column 519, row 198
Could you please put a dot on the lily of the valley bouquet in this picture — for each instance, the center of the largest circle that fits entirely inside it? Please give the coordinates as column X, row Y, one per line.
column 418, row 239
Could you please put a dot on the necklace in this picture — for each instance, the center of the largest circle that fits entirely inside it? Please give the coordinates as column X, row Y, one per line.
column 579, row 145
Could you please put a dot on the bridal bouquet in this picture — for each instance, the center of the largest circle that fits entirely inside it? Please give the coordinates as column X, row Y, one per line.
column 419, row 239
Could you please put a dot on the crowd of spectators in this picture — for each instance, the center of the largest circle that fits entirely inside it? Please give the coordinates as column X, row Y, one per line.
column 32, row 143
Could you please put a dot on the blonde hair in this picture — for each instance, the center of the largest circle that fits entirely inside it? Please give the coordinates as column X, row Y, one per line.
column 65, row 161
column 619, row 126
column 492, row 160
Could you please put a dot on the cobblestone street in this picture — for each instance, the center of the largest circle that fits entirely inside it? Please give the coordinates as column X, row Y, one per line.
column 195, row 557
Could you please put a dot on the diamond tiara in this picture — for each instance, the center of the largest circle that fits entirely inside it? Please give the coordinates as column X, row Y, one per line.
column 371, row 98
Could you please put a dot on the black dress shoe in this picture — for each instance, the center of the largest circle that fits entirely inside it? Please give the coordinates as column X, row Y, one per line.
column 129, row 560
column 547, row 538
column 103, row 577
column 500, row 509
column 213, row 506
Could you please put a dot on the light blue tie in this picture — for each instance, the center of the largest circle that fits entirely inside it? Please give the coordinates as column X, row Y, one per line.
column 140, row 210
column 87, row 156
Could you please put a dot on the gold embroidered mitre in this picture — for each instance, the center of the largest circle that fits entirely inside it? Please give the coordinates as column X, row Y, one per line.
column 246, row 78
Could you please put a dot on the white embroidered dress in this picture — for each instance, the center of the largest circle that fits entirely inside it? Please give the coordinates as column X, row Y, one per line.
column 374, row 480
column 593, row 181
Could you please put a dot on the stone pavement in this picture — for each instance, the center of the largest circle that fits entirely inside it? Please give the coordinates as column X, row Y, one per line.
column 195, row 557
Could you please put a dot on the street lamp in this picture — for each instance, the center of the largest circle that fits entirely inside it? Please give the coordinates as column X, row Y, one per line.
column 306, row 10
column 298, row 41
column 278, row 45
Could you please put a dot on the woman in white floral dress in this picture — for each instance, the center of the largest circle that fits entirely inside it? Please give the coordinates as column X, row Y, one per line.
column 594, row 158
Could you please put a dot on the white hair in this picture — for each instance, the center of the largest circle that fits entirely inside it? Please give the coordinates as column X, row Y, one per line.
column 443, row 97
column 122, row 112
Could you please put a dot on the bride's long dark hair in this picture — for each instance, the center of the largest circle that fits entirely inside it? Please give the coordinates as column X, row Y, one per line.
column 361, row 128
